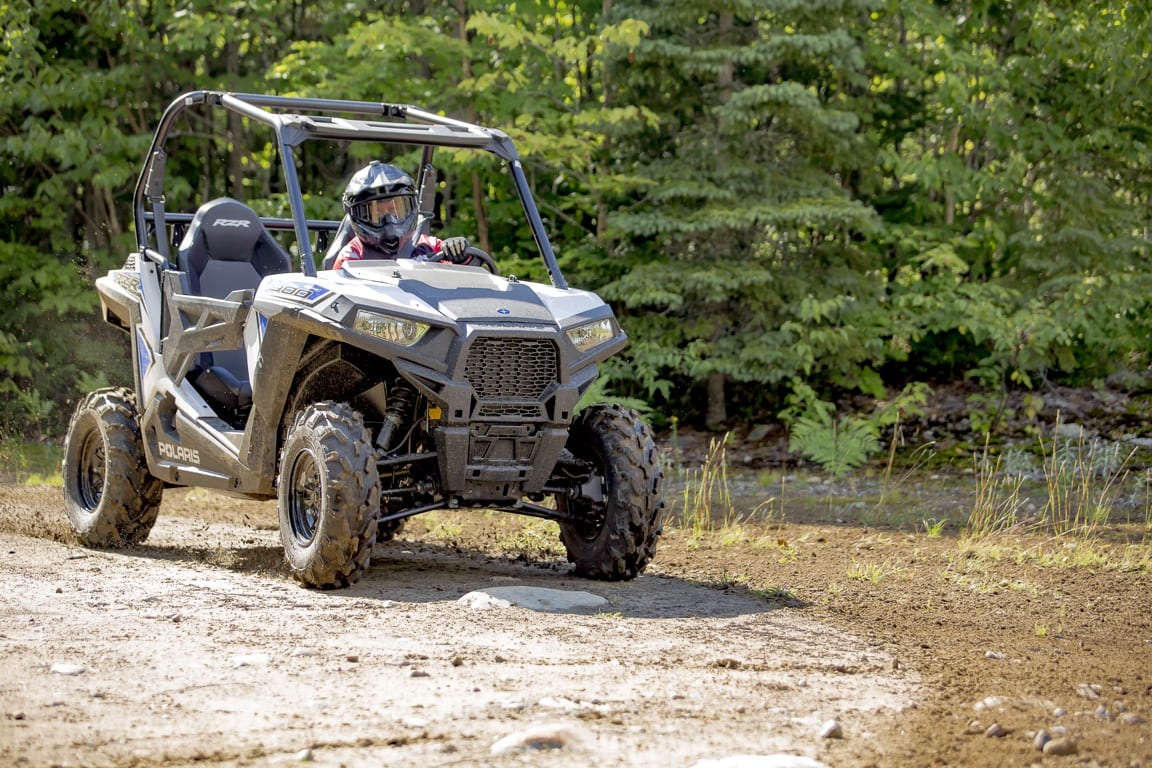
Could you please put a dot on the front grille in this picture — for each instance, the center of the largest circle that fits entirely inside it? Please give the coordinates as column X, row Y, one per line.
column 516, row 411
column 509, row 368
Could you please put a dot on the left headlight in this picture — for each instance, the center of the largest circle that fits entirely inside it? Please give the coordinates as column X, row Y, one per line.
column 394, row 329
column 585, row 337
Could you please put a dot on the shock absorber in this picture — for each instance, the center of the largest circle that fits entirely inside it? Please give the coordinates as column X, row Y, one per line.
column 397, row 413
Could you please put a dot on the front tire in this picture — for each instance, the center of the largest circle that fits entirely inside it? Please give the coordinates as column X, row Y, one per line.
column 619, row 538
column 329, row 496
column 110, row 497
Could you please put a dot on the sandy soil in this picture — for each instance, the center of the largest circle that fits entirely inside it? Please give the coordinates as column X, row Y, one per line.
column 197, row 649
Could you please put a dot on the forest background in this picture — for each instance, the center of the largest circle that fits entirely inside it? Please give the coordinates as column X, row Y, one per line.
column 792, row 205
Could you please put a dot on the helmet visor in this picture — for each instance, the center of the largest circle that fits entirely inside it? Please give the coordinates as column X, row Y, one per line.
column 388, row 210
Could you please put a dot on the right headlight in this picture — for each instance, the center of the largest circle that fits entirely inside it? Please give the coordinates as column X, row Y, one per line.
column 397, row 330
column 593, row 334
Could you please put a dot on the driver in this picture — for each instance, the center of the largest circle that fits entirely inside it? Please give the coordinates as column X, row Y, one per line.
column 380, row 201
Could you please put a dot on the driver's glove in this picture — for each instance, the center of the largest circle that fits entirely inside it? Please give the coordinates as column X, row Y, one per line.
column 453, row 249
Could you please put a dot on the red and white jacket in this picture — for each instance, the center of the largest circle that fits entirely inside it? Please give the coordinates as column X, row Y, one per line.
column 422, row 247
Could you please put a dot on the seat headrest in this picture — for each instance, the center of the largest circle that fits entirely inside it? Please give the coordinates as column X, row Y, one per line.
column 230, row 229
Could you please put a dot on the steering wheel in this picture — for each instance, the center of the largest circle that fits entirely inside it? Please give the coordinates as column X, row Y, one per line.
column 485, row 260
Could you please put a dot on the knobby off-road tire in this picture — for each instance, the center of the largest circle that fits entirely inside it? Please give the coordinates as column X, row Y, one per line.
column 329, row 496
column 620, row 538
column 110, row 497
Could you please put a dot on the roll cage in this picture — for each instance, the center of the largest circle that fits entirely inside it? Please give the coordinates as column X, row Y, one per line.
column 296, row 120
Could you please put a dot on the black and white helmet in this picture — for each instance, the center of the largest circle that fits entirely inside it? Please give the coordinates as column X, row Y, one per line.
column 380, row 201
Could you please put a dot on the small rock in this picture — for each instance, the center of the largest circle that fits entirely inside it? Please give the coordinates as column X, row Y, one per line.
column 550, row 736
column 974, row 726
column 69, row 670
column 991, row 702
column 1102, row 713
column 1042, row 738
column 831, row 730
column 994, row 655
column 1061, row 747
column 1130, row 718
column 1059, row 712
column 352, row 658
column 457, row 660
column 303, row 756
column 758, row 433
column 1088, row 690
column 419, row 673
column 995, row 731
column 304, row 652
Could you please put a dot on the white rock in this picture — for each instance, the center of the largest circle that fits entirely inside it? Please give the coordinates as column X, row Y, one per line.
column 534, row 598
column 558, row 702
column 1088, row 690
column 761, row 761
column 831, row 730
column 481, row 601
column 64, row 668
column 547, row 736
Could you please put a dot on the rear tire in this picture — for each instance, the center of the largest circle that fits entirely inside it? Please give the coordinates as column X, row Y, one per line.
column 110, row 497
column 620, row 536
column 329, row 496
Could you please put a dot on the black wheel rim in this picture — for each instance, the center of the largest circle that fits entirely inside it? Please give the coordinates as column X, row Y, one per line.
column 304, row 498
column 91, row 470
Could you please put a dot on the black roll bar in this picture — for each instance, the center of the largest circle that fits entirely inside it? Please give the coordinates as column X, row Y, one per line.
column 295, row 120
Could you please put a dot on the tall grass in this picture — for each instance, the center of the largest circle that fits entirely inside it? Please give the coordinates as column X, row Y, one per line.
column 706, row 490
column 1082, row 484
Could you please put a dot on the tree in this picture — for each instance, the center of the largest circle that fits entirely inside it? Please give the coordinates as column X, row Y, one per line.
column 740, row 237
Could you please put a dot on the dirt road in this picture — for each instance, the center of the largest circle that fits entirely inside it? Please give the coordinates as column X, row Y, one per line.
column 196, row 649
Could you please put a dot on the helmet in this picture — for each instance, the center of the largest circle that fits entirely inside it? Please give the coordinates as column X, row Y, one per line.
column 380, row 201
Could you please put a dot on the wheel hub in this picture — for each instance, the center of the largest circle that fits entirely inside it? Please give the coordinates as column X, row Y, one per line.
column 304, row 495
column 92, row 469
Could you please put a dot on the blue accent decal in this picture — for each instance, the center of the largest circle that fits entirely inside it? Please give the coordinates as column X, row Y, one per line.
column 262, row 323
column 306, row 294
column 143, row 355
column 503, row 311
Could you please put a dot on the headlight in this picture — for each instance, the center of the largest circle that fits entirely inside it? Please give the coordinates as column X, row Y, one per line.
column 585, row 337
column 394, row 329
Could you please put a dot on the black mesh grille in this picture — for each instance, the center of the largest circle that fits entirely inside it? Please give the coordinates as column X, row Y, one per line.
column 504, row 368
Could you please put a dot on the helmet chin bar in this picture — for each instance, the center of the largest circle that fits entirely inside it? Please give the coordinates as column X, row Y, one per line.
column 387, row 237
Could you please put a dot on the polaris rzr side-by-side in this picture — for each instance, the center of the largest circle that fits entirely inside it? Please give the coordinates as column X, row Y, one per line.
column 356, row 397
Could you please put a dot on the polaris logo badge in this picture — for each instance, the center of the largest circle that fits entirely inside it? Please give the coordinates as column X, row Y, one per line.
column 503, row 311
column 179, row 453
column 232, row 223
